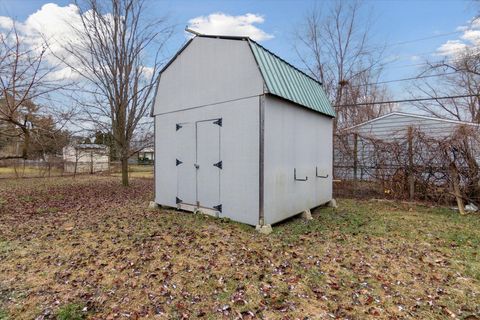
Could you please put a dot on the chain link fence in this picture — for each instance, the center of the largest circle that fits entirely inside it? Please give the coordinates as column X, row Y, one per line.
column 416, row 167
column 20, row 168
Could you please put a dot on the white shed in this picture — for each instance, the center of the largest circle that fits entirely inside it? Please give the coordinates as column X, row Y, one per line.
column 240, row 133
column 86, row 158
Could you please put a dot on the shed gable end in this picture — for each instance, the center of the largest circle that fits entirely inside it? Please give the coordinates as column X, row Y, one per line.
column 208, row 71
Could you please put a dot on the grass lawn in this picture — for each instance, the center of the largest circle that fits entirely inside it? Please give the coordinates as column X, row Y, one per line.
column 27, row 171
column 88, row 248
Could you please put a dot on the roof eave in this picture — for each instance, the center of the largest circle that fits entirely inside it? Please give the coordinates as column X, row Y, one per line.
column 301, row 105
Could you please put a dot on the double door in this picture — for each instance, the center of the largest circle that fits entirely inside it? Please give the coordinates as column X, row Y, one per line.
column 198, row 163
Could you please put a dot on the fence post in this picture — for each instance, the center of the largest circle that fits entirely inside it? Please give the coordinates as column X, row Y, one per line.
column 355, row 156
column 91, row 162
column 411, row 177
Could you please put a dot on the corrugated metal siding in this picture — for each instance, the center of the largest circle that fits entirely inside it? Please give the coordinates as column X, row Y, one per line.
column 395, row 126
column 284, row 80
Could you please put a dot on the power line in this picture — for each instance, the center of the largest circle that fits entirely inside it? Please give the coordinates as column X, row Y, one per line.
column 427, row 63
column 417, row 40
column 433, row 63
column 406, row 79
column 406, row 100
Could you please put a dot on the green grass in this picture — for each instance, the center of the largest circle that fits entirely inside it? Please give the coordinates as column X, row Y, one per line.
column 27, row 171
column 4, row 246
column 451, row 233
column 3, row 315
column 71, row 311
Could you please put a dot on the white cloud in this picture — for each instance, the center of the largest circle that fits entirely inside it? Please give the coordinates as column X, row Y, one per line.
column 6, row 22
column 55, row 25
column 473, row 36
column 51, row 23
column 451, row 47
column 224, row 24
column 469, row 39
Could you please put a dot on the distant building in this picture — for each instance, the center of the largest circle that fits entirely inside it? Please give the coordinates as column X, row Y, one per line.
column 86, row 158
column 144, row 156
column 365, row 149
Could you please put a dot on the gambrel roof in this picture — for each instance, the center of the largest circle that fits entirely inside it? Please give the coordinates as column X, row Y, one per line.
column 286, row 81
column 280, row 78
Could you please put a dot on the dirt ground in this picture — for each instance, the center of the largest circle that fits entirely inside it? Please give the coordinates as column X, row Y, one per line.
column 88, row 248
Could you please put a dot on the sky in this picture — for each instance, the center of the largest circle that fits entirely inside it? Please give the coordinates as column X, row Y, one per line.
column 443, row 25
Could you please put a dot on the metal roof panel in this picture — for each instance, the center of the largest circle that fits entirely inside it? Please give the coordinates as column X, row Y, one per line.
column 284, row 80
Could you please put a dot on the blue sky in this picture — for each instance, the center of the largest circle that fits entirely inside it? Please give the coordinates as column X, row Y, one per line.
column 393, row 22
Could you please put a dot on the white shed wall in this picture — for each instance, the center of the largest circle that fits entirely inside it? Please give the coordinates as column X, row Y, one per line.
column 239, row 151
column 295, row 137
column 208, row 71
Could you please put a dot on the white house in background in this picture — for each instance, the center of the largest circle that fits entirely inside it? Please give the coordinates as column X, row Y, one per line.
column 240, row 133
column 144, row 156
column 86, row 158
column 392, row 127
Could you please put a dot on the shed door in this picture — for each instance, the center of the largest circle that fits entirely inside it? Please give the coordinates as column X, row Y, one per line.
column 208, row 163
column 185, row 163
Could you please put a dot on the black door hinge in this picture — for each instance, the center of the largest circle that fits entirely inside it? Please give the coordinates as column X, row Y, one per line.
column 218, row 208
column 219, row 164
column 218, row 122
column 178, row 200
column 178, row 162
column 177, row 127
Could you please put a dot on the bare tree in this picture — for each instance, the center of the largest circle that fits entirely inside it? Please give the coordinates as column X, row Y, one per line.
column 116, row 51
column 24, row 77
column 334, row 45
column 454, row 76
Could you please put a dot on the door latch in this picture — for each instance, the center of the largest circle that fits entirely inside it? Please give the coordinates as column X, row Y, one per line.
column 196, row 166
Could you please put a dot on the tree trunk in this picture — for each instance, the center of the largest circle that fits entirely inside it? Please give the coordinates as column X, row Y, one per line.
column 26, row 142
column 456, row 187
column 124, row 161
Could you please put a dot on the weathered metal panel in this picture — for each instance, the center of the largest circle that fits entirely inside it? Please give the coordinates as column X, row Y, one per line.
column 295, row 139
column 208, row 71
column 286, row 81
column 239, row 153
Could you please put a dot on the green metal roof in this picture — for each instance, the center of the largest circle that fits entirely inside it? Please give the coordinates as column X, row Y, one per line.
column 284, row 80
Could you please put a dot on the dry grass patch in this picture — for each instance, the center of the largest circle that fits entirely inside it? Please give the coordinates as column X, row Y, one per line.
column 88, row 242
